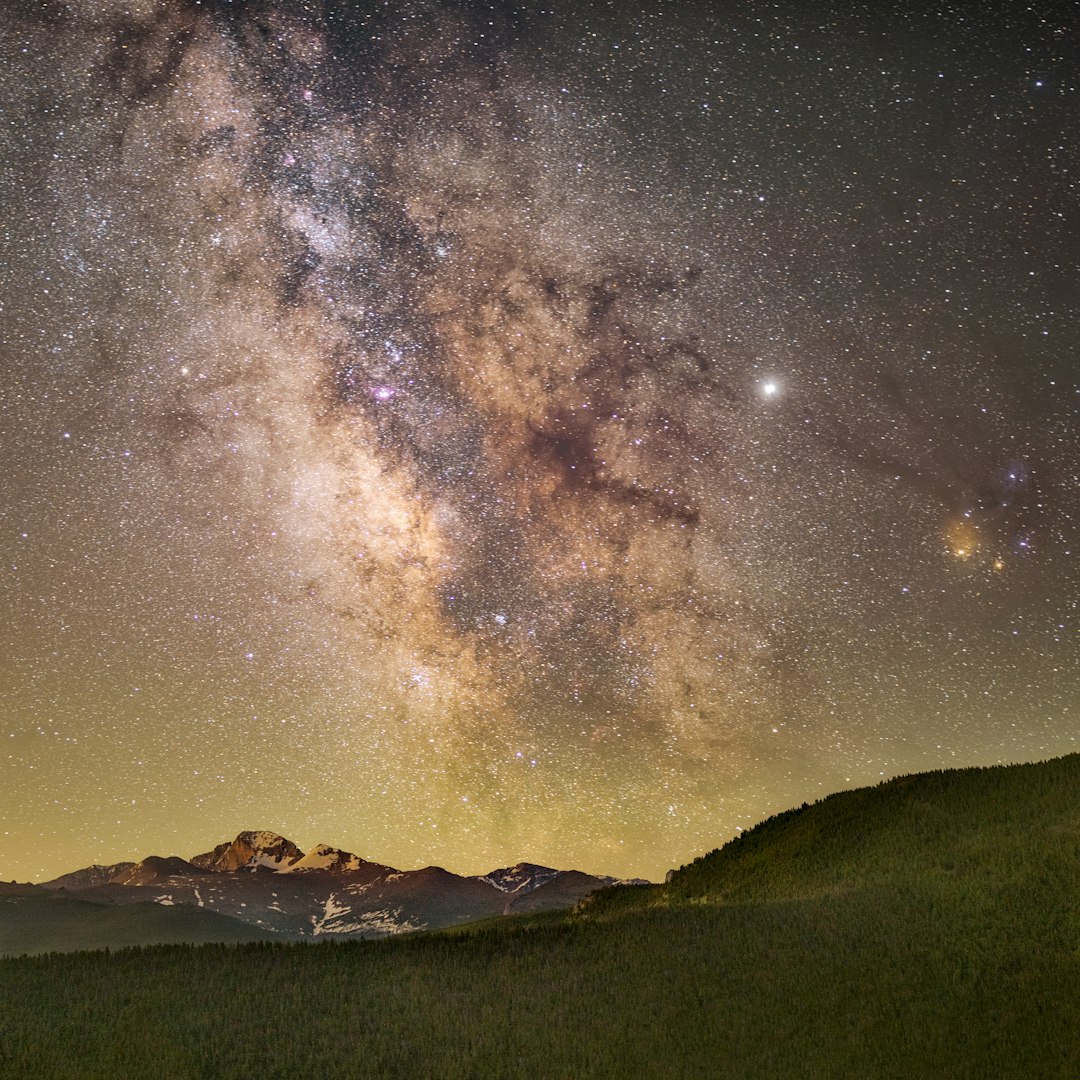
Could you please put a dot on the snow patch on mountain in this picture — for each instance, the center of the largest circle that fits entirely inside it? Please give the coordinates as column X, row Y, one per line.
column 331, row 910
column 338, row 918
column 520, row 879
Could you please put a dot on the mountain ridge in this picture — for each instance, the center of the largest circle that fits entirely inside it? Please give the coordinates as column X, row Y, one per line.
column 264, row 881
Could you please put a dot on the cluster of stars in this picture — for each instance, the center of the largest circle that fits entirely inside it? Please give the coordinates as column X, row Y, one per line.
column 569, row 435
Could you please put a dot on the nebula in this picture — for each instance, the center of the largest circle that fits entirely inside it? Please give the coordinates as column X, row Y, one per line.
column 457, row 428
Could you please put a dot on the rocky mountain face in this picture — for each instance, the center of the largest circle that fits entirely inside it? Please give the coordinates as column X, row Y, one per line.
column 90, row 876
column 265, row 881
column 520, row 879
column 248, row 850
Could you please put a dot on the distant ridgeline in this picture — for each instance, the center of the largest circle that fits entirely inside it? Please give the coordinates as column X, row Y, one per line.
column 262, row 887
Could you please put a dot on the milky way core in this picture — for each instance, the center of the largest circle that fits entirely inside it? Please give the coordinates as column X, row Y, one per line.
column 469, row 432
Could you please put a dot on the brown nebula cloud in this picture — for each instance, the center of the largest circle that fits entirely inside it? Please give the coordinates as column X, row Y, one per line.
column 379, row 379
column 473, row 436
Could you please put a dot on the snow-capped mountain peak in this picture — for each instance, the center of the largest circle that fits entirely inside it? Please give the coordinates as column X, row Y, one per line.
column 325, row 857
column 252, row 850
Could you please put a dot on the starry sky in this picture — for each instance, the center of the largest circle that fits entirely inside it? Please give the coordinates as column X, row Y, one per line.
column 465, row 432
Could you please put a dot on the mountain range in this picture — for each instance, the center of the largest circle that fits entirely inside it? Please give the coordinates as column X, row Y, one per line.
column 261, row 886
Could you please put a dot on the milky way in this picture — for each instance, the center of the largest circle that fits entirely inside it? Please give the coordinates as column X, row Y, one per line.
column 469, row 432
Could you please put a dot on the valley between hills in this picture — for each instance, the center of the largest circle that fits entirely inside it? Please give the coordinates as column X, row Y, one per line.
column 926, row 927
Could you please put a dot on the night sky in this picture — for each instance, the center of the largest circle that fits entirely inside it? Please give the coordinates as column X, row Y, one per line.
column 470, row 432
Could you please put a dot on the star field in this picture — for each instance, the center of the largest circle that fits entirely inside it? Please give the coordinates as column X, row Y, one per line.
column 469, row 432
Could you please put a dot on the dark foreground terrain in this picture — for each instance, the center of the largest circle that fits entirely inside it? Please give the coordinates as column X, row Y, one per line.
column 924, row 928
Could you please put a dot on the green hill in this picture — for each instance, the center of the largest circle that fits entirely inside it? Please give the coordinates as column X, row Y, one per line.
column 925, row 928
column 1008, row 828
column 995, row 836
